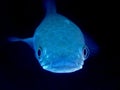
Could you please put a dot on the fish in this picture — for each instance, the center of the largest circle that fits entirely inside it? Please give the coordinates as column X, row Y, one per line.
column 58, row 43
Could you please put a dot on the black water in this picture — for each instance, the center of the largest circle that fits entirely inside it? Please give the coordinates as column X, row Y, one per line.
column 19, row 69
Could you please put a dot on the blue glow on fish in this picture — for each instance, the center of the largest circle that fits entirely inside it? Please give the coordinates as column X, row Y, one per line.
column 58, row 43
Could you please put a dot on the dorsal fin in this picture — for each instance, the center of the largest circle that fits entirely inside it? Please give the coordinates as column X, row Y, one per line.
column 49, row 6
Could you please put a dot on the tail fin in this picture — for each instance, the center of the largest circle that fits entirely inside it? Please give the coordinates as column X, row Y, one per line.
column 49, row 6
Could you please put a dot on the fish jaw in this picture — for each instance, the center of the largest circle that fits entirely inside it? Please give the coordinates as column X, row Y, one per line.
column 62, row 63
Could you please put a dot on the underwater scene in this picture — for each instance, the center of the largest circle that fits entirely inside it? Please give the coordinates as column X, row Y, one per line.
column 55, row 45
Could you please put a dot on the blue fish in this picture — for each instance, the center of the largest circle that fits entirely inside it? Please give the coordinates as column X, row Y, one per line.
column 58, row 43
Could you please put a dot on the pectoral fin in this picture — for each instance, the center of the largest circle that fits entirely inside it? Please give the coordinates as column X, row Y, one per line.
column 93, row 47
column 29, row 41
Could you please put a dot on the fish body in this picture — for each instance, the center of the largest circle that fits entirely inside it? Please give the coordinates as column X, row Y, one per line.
column 58, row 43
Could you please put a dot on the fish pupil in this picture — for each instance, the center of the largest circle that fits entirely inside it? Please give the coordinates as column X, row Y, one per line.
column 39, row 52
column 85, row 52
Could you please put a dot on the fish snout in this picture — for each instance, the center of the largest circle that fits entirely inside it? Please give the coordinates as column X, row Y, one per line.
column 63, row 65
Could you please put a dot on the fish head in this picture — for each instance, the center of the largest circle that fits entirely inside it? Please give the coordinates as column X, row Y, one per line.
column 62, row 45
column 59, row 57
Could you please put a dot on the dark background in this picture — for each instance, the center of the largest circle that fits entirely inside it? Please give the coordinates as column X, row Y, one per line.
column 19, row 69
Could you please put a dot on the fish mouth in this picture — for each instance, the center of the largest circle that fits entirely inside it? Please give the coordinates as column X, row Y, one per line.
column 63, row 66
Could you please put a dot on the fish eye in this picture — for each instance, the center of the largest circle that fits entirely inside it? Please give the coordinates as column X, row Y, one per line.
column 39, row 52
column 85, row 52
